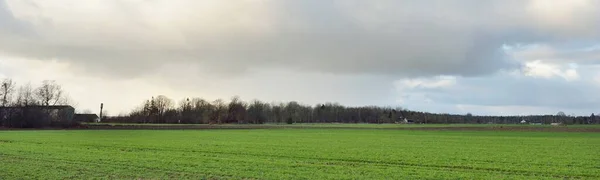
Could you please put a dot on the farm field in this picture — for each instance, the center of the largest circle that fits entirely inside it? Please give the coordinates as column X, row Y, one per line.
column 362, row 125
column 298, row 154
column 358, row 125
column 454, row 127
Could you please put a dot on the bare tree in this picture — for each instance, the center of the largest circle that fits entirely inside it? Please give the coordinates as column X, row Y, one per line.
column 202, row 110
column 7, row 87
column 186, row 111
column 185, row 104
column 25, row 117
column 25, row 96
column 162, row 105
column 236, row 110
column 219, row 111
column 6, row 90
column 50, row 93
column 257, row 112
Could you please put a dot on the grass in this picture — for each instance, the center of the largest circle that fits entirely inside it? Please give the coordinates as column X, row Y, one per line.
column 297, row 154
column 364, row 125
column 361, row 125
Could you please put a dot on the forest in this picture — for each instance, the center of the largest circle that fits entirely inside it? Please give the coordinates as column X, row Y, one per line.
column 161, row 109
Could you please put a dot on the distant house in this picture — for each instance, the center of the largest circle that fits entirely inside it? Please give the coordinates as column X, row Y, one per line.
column 86, row 118
column 523, row 121
column 407, row 121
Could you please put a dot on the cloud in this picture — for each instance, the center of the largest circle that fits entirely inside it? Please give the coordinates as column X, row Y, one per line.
column 582, row 53
column 416, row 89
column 427, row 83
column 430, row 55
column 540, row 69
column 513, row 110
column 576, row 18
column 10, row 25
column 397, row 38
column 503, row 91
column 555, row 59
column 268, row 85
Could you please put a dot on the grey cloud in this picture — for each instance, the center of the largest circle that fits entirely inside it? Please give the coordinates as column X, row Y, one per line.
column 395, row 38
column 10, row 25
column 581, row 54
column 282, row 85
column 502, row 90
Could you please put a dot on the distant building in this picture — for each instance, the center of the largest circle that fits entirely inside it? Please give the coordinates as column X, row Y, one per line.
column 523, row 121
column 407, row 121
column 86, row 118
column 39, row 114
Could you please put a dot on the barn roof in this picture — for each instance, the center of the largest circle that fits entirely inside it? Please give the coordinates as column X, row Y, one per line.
column 86, row 115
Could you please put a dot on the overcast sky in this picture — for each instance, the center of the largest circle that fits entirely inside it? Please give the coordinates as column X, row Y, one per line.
column 492, row 57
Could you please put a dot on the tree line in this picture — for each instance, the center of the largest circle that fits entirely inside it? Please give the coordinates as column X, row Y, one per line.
column 161, row 109
column 23, row 106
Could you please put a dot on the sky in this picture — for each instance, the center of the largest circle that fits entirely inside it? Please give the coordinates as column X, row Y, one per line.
column 494, row 57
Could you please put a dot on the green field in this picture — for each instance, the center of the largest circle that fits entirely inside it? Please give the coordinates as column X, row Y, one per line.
column 360, row 125
column 298, row 154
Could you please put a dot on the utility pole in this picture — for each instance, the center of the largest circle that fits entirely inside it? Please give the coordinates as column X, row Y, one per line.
column 101, row 107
